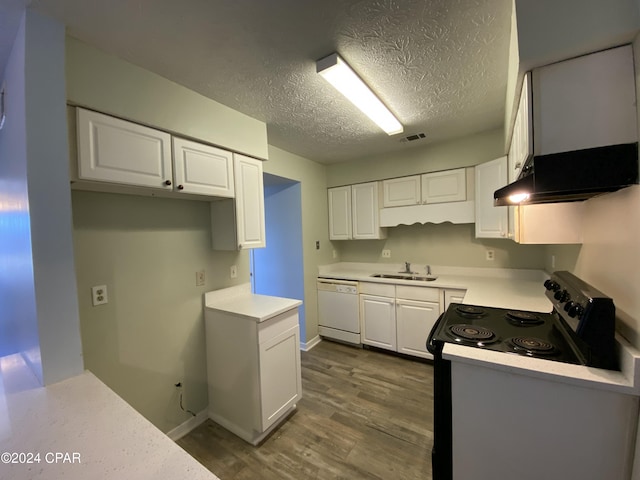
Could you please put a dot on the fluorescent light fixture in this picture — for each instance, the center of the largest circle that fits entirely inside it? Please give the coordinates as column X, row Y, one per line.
column 336, row 71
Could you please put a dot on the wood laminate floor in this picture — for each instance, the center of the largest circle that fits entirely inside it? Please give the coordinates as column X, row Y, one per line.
column 364, row 414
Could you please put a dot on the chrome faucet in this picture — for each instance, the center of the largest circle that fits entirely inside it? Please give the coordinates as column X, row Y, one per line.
column 428, row 270
column 407, row 268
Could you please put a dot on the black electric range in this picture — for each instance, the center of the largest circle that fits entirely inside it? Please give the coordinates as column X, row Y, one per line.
column 579, row 330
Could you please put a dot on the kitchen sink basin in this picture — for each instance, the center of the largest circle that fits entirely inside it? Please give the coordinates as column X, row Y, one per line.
column 404, row 277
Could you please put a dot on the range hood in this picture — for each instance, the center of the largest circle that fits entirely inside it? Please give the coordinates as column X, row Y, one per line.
column 572, row 176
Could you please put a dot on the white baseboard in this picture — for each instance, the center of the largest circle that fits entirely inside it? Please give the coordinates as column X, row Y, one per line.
column 185, row 427
column 305, row 347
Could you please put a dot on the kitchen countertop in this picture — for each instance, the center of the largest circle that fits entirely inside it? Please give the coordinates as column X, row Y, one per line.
column 490, row 287
column 504, row 288
column 80, row 429
column 241, row 302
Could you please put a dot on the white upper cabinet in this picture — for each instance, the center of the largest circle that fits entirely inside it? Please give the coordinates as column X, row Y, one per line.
column 445, row 186
column 117, row 151
column 117, row 155
column 354, row 212
column 249, row 202
column 491, row 222
column 399, row 192
column 437, row 187
column 585, row 102
column 238, row 223
column 365, row 211
column 340, row 213
column 521, row 146
column 202, row 169
column 555, row 223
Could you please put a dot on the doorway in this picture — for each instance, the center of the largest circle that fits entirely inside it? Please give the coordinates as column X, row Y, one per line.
column 277, row 270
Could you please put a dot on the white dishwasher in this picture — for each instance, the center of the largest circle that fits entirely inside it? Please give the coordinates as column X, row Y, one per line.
column 338, row 310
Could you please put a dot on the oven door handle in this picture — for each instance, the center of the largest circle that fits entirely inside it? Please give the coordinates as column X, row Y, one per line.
column 432, row 347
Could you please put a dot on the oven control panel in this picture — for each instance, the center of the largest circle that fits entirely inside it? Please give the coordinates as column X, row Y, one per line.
column 586, row 310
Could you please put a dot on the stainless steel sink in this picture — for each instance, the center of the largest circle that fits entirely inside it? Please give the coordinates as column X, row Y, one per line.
column 404, row 277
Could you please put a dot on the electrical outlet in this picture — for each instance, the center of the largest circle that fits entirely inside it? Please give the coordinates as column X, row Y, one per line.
column 234, row 271
column 317, row 244
column 386, row 253
column 200, row 278
column 491, row 255
column 99, row 295
column 553, row 261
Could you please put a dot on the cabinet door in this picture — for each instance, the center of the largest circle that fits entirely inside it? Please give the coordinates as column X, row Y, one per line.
column 453, row 296
column 249, row 202
column 378, row 324
column 415, row 319
column 588, row 101
column 398, row 192
column 339, row 213
column 446, row 186
column 365, row 211
column 280, row 375
column 491, row 222
column 202, row 169
column 521, row 147
column 113, row 150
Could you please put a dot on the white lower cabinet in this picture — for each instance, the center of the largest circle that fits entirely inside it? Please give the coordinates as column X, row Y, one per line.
column 378, row 321
column 398, row 317
column 253, row 370
column 415, row 319
column 452, row 296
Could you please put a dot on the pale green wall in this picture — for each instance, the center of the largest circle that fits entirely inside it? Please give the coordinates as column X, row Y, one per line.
column 443, row 244
column 151, row 333
column 464, row 152
column 312, row 177
column 105, row 83
column 147, row 250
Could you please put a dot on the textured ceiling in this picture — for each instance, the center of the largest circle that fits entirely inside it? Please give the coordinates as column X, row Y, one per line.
column 440, row 65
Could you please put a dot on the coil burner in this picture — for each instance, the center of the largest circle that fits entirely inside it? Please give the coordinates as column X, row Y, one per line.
column 532, row 346
column 470, row 311
column 473, row 333
column 523, row 319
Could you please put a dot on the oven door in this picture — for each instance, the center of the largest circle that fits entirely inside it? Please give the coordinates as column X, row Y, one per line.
column 441, row 454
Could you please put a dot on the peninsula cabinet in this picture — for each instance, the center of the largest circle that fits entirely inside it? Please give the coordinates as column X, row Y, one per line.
column 253, row 364
column 238, row 223
column 354, row 212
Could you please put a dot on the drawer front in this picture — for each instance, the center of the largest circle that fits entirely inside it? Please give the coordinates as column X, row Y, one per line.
column 382, row 289
column 426, row 294
column 275, row 326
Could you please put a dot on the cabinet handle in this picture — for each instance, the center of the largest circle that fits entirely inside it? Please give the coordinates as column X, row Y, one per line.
column 180, row 187
column 167, row 182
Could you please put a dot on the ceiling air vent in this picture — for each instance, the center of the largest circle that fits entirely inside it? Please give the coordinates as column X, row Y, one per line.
column 413, row 137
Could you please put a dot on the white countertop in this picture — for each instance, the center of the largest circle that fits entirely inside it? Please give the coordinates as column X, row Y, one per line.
column 241, row 302
column 103, row 436
column 504, row 288
column 517, row 289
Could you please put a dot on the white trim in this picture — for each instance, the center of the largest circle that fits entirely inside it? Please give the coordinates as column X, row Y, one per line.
column 306, row 346
column 186, row 427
